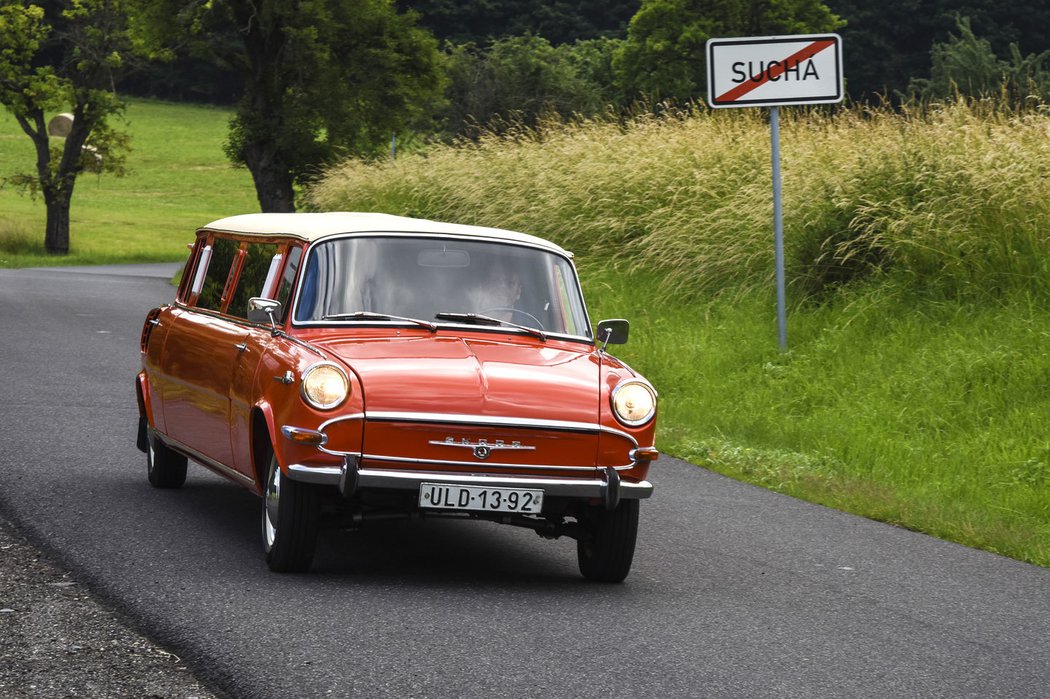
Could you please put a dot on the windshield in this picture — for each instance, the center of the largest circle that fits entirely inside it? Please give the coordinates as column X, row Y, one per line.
column 441, row 280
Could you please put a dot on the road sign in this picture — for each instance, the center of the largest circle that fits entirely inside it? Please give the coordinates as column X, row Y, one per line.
column 776, row 70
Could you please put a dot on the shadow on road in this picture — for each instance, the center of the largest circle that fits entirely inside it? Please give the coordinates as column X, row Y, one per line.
column 222, row 521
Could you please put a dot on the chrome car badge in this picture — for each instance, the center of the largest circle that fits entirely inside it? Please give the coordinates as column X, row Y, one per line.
column 482, row 448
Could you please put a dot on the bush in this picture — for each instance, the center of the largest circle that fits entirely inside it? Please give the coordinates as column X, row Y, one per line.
column 519, row 80
column 966, row 66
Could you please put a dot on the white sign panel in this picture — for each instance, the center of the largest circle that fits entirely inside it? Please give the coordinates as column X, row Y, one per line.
column 772, row 71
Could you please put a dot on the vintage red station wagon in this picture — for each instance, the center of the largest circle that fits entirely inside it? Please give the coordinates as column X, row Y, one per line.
column 350, row 367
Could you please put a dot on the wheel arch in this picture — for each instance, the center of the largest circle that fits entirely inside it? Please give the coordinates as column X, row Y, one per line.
column 262, row 443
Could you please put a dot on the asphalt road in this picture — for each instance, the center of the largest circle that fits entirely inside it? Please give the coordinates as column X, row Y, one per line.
column 735, row 591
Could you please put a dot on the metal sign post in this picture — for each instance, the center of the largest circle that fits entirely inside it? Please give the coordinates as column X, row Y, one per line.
column 769, row 72
column 778, row 229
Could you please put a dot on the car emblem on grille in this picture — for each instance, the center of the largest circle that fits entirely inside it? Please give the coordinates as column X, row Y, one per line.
column 482, row 448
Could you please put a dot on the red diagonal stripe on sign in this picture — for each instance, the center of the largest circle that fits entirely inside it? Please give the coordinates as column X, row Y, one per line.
column 764, row 77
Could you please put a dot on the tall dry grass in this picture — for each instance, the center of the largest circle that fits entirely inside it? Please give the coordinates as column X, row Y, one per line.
column 916, row 393
column 956, row 196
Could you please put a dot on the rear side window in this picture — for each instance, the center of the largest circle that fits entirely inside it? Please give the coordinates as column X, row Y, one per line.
column 253, row 277
column 223, row 253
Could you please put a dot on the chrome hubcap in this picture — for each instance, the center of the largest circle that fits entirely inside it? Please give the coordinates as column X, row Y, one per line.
column 270, row 503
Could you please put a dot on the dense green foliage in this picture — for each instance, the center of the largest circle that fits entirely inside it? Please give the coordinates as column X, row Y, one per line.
column 966, row 65
column 518, row 80
column 916, row 385
column 559, row 21
column 664, row 55
column 888, row 43
column 56, row 56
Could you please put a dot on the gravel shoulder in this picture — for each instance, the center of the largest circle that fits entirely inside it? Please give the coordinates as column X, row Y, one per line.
column 58, row 640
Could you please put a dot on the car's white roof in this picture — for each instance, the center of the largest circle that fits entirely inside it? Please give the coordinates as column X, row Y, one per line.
column 312, row 226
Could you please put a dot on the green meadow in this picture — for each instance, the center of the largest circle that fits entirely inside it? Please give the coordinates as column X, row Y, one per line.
column 179, row 178
column 916, row 387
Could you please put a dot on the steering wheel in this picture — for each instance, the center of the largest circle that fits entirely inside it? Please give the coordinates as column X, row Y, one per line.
column 515, row 311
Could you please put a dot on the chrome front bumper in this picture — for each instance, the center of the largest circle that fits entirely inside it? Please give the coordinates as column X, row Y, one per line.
column 350, row 477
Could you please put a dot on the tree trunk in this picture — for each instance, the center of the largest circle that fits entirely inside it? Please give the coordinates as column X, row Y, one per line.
column 56, row 235
column 273, row 183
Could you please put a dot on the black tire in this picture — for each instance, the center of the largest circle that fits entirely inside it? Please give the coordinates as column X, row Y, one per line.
column 606, row 555
column 164, row 468
column 290, row 520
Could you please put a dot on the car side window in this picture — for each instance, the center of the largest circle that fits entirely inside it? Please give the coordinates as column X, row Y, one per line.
column 189, row 271
column 253, row 277
column 284, row 291
column 223, row 253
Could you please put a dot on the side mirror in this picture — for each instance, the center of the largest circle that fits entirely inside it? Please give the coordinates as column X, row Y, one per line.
column 262, row 310
column 612, row 332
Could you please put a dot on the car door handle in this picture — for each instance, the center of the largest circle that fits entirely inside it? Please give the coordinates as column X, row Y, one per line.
column 241, row 347
column 154, row 322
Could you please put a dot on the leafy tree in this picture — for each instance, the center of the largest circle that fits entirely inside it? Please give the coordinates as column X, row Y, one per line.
column 594, row 63
column 664, row 54
column 558, row 21
column 888, row 43
column 57, row 55
column 322, row 78
column 517, row 80
column 967, row 65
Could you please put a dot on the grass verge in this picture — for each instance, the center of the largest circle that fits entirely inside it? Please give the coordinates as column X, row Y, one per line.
column 928, row 415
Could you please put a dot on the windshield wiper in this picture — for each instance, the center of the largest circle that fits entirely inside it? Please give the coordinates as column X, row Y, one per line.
column 481, row 319
column 369, row 315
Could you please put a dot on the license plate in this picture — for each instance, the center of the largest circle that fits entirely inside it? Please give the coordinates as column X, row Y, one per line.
column 471, row 497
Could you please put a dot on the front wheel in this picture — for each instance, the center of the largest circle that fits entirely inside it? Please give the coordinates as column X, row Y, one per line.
column 290, row 517
column 606, row 554
column 165, row 468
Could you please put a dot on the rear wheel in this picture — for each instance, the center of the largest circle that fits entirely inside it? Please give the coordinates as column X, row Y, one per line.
column 606, row 554
column 290, row 516
column 164, row 468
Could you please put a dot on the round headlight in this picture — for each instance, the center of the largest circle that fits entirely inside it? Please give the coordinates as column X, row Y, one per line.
column 634, row 403
column 324, row 386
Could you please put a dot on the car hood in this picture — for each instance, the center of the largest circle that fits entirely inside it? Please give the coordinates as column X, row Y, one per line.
column 454, row 375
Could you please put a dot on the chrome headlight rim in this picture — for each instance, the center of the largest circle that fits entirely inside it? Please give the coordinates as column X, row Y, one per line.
column 650, row 414
column 332, row 404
